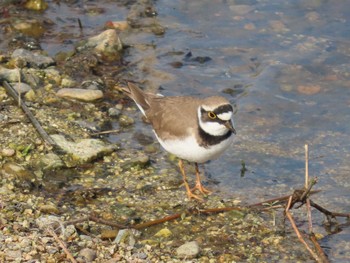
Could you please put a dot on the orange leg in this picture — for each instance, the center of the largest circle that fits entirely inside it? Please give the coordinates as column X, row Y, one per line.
column 199, row 185
column 188, row 190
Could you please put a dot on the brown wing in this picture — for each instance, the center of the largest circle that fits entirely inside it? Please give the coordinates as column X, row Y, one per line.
column 173, row 117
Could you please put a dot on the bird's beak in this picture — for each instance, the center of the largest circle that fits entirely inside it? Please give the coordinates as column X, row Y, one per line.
column 229, row 126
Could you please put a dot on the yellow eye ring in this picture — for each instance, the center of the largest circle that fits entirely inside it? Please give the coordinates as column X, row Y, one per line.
column 211, row 115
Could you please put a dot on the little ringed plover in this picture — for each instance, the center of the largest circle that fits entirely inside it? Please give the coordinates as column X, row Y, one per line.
column 193, row 129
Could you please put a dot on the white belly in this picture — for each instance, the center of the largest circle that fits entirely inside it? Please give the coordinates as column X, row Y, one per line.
column 189, row 150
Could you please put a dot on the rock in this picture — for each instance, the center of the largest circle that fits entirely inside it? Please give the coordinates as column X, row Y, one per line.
column 88, row 254
column 85, row 150
column 120, row 25
column 165, row 232
column 31, row 95
column 114, row 112
column 188, row 250
column 8, row 152
column 107, row 43
column 140, row 161
column 69, row 232
column 45, row 221
column 50, row 161
column 16, row 171
column 241, row 9
column 109, row 233
column 32, row 58
column 125, row 121
column 80, row 94
column 37, row 5
column 13, row 254
column 49, row 209
column 68, row 83
column 310, row 89
column 127, row 236
column 11, row 75
column 21, row 87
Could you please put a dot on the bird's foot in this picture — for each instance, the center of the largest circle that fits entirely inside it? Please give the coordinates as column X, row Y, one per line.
column 201, row 188
column 191, row 195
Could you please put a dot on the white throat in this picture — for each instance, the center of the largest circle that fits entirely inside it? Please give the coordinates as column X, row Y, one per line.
column 213, row 128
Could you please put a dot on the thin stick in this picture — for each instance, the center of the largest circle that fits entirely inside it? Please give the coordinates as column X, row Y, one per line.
column 327, row 212
column 62, row 245
column 320, row 252
column 30, row 115
column 19, row 81
column 309, row 217
column 306, row 166
column 104, row 132
column 296, row 230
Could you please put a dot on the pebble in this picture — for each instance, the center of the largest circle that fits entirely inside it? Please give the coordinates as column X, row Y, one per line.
column 165, row 232
column 32, row 58
column 8, row 152
column 120, row 25
column 50, row 161
column 68, row 83
column 126, row 121
column 114, row 112
column 188, row 250
column 88, row 254
column 21, row 87
column 13, row 254
column 309, row 89
column 49, row 209
column 80, row 94
column 241, row 9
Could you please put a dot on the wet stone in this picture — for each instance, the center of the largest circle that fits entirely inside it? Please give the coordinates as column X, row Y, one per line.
column 88, row 254
column 11, row 75
column 50, row 161
column 80, row 94
column 188, row 250
column 32, row 58
column 114, row 112
column 21, row 87
column 8, row 152
column 107, row 42
column 84, row 150
column 126, row 121
column 49, row 209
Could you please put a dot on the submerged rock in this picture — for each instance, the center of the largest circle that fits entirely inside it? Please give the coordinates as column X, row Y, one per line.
column 80, row 94
column 107, row 43
column 32, row 58
column 85, row 150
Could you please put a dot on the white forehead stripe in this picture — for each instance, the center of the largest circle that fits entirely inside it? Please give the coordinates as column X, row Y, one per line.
column 226, row 116
column 207, row 108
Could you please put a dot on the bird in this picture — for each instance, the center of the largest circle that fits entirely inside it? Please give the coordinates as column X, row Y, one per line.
column 193, row 129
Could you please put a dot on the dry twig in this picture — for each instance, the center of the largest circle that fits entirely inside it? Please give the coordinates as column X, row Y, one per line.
column 62, row 245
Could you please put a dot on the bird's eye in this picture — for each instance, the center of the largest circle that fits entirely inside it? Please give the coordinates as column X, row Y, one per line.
column 211, row 115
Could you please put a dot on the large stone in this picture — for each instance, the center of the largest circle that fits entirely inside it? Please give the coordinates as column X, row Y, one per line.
column 84, row 150
column 108, row 42
column 32, row 58
column 188, row 250
column 80, row 94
